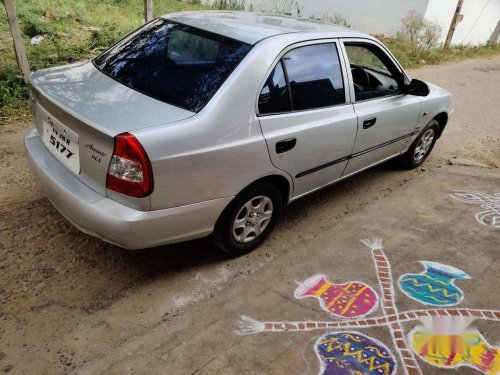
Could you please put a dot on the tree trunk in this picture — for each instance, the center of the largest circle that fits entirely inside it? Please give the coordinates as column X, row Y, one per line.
column 148, row 10
column 453, row 25
column 22, row 60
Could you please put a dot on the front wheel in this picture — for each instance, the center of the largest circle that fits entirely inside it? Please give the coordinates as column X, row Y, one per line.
column 421, row 147
column 248, row 220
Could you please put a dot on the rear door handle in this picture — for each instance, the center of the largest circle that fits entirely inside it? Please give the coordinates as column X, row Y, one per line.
column 369, row 122
column 285, row 145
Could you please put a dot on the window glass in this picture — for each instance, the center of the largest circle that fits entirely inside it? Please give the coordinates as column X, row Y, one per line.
column 174, row 63
column 185, row 47
column 315, row 76
column 274, row 97
column 372, row 76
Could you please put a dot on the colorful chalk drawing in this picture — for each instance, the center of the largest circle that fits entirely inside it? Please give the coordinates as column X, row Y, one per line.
column 349, row 300
column 354, row 353
column 435, row 285
column 490, row 203
column 445, row 327
column 468, row 349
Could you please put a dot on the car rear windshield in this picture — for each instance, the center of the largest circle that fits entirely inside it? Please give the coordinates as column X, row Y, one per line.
column 175, row 63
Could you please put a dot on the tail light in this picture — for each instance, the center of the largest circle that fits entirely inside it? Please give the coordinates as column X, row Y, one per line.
column 130, row 171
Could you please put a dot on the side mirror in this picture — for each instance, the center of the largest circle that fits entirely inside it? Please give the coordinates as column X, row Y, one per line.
column 417, row 88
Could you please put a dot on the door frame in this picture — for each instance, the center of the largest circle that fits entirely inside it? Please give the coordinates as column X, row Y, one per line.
column 384, row 49
column 343, row 67
column 399, row 95
column 347, row 98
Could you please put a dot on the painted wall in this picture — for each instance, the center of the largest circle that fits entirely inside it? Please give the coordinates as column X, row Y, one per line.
column 480, row 19
column 374, row 17
column 384, row 16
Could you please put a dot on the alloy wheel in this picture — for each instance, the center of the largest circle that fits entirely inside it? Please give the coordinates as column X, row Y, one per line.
column 252, row 219
column 423, row 146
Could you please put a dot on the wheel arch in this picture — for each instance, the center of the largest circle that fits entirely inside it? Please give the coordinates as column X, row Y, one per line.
column 442, row 119
column 279, row 181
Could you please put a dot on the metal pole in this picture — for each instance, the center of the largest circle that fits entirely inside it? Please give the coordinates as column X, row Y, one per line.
column 453, row 25
column 22, row 60
column 148, row 10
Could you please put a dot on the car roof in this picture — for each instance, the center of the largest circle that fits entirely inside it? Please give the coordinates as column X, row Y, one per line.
column 252, row 27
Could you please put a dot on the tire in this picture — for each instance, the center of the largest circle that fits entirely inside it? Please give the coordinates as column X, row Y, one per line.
column 248, row 220
column 420, row 148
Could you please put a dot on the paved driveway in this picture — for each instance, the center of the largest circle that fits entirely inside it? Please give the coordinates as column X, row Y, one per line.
column 69, row 302
column 420, row 222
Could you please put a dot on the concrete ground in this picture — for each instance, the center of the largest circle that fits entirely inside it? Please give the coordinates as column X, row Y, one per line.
column 71, row 303
column 419, row 222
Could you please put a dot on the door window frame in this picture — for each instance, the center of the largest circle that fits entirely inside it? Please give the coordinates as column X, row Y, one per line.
column 278, row 59
column 383, row 49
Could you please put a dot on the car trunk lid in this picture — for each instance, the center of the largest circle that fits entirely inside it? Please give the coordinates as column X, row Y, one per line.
column 80, row 110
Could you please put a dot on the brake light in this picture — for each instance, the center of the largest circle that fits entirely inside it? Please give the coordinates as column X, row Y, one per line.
column 130, row 171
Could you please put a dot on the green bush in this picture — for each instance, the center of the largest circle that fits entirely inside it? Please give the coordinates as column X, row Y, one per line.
column 419, row 34
column 227, row 4
column 32, row 21
column 13, row 91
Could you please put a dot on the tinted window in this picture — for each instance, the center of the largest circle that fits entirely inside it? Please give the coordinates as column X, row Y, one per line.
column 185, row 47
column 373, row 74
column 315, row 76
column 174, row 63
column 274, row 97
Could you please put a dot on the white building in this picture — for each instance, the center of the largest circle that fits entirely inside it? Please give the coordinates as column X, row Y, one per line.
column 480, row 17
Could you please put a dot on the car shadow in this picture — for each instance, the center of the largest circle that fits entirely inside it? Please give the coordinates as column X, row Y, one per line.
column 63, row 265
column 202, row 251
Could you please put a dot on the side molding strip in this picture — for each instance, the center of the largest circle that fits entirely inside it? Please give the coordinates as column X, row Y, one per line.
column 349, row 157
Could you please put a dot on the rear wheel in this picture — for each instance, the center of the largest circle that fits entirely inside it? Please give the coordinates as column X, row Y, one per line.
column 248, row 220
column 421, row 147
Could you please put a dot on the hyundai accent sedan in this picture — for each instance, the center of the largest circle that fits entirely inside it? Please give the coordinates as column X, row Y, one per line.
column 207, row 123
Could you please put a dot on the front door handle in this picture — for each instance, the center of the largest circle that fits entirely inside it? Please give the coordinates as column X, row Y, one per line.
column 285, row 145
column 369, row 122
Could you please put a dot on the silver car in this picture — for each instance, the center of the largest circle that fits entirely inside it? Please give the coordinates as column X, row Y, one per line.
column 208, row 123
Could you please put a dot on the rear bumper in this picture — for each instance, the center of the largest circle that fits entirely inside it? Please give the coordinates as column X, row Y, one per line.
column 111, row 221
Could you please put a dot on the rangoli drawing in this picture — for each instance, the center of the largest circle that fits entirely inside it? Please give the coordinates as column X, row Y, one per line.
column 354, row 353
column 443, row 338
column 349, row 300
column 435, row 286
column 490, row 204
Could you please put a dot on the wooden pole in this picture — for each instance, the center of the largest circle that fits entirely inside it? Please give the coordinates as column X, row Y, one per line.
column 22, row 60
column 148, row 10
column 494, row 37
column 453, row 25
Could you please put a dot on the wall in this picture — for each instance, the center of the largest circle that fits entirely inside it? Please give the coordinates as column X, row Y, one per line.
column 384, row 16
column 370, row 16
column 480, row 19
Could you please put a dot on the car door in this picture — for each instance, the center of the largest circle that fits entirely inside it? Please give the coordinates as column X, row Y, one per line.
column 305, row 115
column 387, row 118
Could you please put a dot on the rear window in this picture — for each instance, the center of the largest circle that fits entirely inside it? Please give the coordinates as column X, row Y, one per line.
column 175, row 63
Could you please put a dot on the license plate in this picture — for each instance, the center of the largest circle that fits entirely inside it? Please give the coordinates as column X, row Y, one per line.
column 62, row 142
